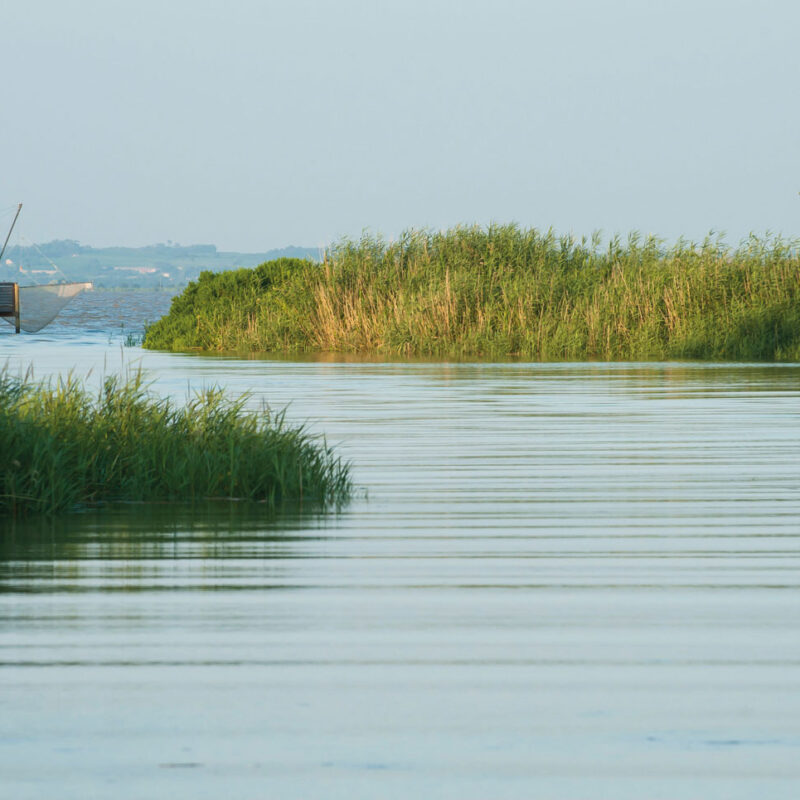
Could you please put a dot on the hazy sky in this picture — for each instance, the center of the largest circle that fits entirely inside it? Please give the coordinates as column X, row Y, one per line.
column 255, row 125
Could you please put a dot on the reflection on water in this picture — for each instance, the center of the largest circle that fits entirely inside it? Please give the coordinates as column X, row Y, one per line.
column 564, row 581
column 140, row 532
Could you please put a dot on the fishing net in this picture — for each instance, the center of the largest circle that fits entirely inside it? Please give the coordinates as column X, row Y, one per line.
column 39, row 305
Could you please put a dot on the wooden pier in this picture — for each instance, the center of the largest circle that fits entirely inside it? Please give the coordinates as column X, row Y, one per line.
column 9, row 302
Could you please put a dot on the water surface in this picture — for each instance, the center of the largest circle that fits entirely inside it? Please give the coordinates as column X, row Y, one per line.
column 561, row 581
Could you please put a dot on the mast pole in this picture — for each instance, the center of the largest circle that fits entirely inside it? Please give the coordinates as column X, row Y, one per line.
column 10, row 231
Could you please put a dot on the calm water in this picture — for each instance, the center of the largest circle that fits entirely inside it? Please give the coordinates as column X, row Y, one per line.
column 559, row 581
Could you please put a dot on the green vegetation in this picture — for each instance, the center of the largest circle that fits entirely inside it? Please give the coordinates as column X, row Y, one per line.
column 63, row 446
column 504, row 291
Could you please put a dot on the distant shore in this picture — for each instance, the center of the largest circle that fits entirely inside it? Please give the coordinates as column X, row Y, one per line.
column 165, row 266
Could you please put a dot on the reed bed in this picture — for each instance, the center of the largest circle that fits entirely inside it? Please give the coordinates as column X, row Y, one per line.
column 505, row 291
column 64, row 446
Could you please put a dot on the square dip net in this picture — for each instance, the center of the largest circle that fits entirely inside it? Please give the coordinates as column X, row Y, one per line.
column 40, row 305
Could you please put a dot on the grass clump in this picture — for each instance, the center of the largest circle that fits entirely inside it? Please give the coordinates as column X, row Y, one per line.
column 64, row 446
column 504, row 291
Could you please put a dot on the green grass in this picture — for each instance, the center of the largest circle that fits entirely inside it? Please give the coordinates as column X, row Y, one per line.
column 504, row 291
column 64, row 446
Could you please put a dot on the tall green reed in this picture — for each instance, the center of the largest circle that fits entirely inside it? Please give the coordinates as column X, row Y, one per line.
column 505, row 291
column 63, row 446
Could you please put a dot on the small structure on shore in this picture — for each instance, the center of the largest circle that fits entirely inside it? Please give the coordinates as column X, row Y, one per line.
column 9, row 303
column 30, row 308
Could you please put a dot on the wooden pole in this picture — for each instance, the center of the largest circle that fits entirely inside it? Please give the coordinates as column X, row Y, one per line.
column 19, row 208
column 16, row 307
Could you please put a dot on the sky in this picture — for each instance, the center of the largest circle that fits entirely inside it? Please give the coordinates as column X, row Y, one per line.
column 256, row 125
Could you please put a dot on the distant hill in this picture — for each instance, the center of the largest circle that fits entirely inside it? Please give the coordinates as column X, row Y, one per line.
column 158, row 265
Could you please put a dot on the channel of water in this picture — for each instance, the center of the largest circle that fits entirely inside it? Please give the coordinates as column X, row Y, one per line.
column 556, row 580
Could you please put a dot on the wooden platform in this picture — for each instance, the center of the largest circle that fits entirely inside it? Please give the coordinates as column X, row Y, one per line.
column 9, row 302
